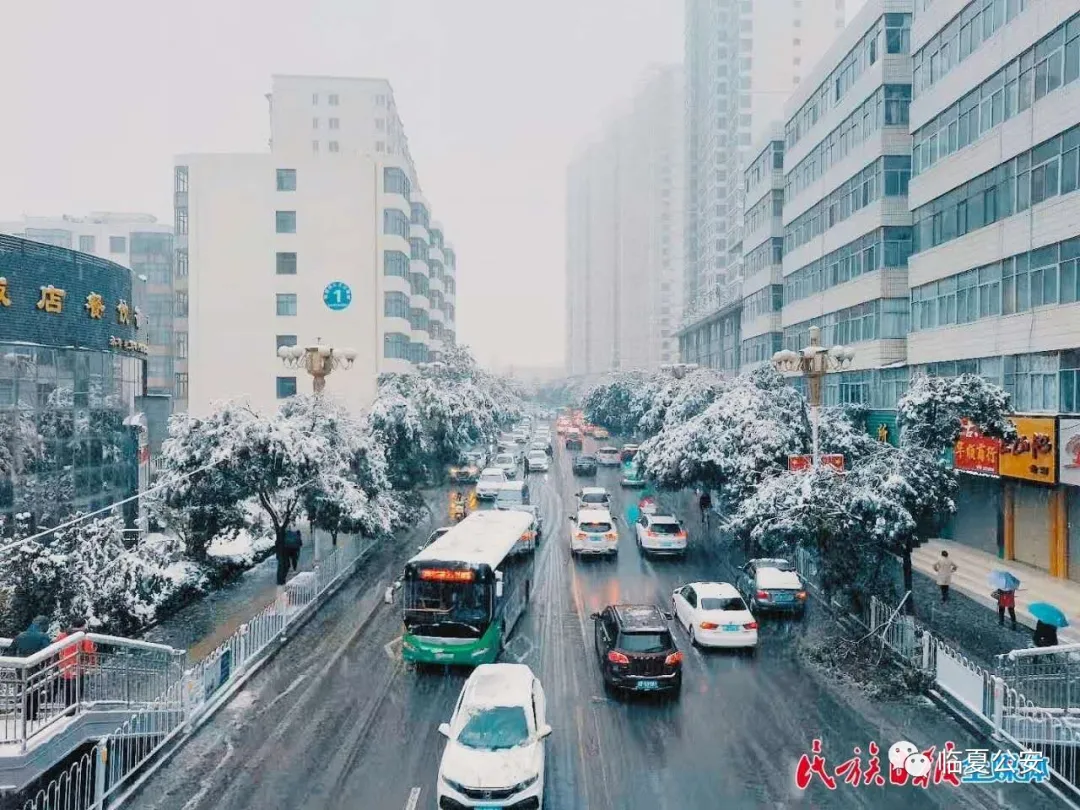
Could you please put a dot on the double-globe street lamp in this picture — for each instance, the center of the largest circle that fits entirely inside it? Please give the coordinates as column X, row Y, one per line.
column 814, row 361
column 317, row 360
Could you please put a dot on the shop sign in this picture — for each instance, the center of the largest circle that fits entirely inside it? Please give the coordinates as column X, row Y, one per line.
column 801, row 463
column 1069, row 464
column 975, row 453
column 1031, row 455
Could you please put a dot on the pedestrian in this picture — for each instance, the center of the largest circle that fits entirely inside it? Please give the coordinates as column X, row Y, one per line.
column 33, row 639
column 943, row 571
column 293, row 543
column 1006, row 600
column 1045, row 635
column 75, row 659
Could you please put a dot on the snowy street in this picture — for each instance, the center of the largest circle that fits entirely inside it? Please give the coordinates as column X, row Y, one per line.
column 337, row 720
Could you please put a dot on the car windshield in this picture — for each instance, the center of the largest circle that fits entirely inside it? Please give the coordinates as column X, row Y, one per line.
column 645, row 642
column 594, row 497
column 722, row 603
column 595, row 528
column 665, row 528
column 493, row 476
column 585, row 460
column 538, row 455
column 505, row 458
column 495, row 729
column 780, row 565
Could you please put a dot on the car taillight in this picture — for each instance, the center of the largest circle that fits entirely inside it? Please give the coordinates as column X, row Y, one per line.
column 708, row 626
column 763, row 596
column 681, row 535
column 673, row 660
column 750, row 626
column 579, row 535
column 650, row 533
column 617, row 658
column 801, row 595
column 611, row 536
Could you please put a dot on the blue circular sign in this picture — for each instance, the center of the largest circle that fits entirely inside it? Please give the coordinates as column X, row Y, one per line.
column 337, row 295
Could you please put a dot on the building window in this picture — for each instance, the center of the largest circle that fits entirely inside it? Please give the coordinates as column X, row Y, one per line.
column 333, row 146
column 395, row 181
column 286, row 387
column 333, row 100
column 286, row 303
column 334, row 123
column 285, row 221
column 181, row 304
column 315, row 99
column 396, row 346
column 314, row 123
column 395, row 263
column 180, row 180
column 380, row 100
column 380, row 125
column 181, row 341
column 285, row 340
column 395, row 305
column 118, row 244
column 419, row 250
column 395, row 223
column 181, row 262
column 898, row 33
column 286, row 179
column 181, row 220
column 380, row 146
column 286, row 264
column 86, row 244
column 314, row 146
column 180, row 385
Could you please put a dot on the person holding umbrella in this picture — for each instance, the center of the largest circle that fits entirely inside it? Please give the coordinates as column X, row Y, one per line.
column 1048, row 619
column 1005, row 585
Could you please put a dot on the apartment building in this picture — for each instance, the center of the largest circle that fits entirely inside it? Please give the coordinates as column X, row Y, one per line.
column 327, row 238
column 995, row 120
column 742, row 61
column 624, row 235
column 145, row 246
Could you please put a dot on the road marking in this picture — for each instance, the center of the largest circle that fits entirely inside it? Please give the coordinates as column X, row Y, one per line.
column 207, row 781
column 393, row 648
column 413, row 800
column 290, row 688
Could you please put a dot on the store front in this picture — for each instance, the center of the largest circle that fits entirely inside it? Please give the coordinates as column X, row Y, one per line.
column 977, row 521
column 1029, row 466
column 1069, row 479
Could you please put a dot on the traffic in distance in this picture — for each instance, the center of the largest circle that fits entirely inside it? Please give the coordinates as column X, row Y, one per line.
column 464, row 593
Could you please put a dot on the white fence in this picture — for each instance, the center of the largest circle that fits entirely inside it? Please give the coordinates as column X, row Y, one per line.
column 103, row 772
column 1002, row 710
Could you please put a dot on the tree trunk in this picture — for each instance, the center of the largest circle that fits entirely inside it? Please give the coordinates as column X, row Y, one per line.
column 909, row 580
column 333, row 538
column 281, row 553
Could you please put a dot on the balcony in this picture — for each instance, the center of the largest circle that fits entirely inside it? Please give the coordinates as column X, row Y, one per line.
column 419, row 266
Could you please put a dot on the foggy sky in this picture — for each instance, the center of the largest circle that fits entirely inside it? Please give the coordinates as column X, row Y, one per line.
column 495, row 95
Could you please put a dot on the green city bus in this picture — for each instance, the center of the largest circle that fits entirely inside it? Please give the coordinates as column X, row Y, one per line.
column 463, row 594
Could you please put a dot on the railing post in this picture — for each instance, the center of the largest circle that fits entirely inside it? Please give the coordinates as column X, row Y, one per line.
column 25, row 702
column 999, row 706
column 926, row 641
column 101, row 762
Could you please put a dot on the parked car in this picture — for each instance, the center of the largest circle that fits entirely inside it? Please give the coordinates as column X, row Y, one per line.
column 714, row 615
column 495, row 741
column 487, row 487
column 593, row 498
column 636, row 650
column 584, row 465
column 594, row 532
column 768, row 588
column 536, row 461
column 660, row 534
column 608, row 457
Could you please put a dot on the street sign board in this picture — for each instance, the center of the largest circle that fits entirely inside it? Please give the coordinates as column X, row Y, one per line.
column 337, row 295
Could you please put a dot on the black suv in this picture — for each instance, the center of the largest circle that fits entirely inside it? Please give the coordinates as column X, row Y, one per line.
column 584, row 465
column 636, row 649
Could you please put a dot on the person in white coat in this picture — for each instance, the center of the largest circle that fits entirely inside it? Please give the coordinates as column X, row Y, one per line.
column 943, row 571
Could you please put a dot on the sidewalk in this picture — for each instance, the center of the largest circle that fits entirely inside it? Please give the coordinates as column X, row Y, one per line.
column 969, row 618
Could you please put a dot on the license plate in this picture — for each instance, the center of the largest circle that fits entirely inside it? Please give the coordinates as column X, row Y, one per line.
column 488, row 807
column 731, row 628
column 669, row 544
column 596, row 539
column 783, row 597
column 648, row 686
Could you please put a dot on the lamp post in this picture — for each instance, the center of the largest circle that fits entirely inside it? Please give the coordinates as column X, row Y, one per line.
column 814, row 361
column 317, row 360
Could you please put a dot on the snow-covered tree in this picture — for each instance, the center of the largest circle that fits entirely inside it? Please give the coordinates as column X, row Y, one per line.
column 619, row 401
column 929, row 414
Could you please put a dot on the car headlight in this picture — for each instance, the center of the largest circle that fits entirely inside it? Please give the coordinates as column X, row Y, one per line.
column 520, row 786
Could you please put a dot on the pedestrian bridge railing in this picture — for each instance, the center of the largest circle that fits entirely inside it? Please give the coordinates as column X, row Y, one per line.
column 1048, row 676
column 107, row 771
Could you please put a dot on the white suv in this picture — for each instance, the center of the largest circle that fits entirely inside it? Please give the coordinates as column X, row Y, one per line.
column 594, row 532
column 494, row 755
column 660, row 534
column 489, row 482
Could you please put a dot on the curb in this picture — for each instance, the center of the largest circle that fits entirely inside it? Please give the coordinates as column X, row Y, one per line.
column 245, row 675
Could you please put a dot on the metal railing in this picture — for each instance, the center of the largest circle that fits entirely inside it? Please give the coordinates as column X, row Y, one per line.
column 1048, row 676
column 103, row 772
column 78, row 673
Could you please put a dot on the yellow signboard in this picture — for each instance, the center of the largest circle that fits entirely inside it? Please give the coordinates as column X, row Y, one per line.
column 1033, row 455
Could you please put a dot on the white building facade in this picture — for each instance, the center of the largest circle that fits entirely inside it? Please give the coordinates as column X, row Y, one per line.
column 141, row 243
column 847, row 225
column 743, row 59
column 326, row 238
column 624, row 235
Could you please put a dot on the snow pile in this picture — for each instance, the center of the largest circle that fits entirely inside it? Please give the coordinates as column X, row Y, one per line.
column 240, row 547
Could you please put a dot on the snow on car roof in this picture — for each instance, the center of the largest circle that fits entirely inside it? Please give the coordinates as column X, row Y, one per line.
column 493, row 685
column 775, row 578
column 593, row 491
column 493, row 471
column 594, row 516
column 715, row 589
column 535, row 453
column 663, row 519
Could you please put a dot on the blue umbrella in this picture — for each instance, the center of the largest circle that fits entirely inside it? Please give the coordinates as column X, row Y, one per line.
column 1003, row 581
column 1048, row 614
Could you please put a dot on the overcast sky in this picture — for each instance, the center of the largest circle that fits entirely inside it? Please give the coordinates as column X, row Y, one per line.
column 496, row 95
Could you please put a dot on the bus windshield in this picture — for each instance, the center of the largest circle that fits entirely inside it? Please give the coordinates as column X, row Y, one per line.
column 447, row 609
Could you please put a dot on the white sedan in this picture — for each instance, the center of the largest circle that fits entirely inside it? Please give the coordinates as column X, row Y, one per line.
column 507, row 462
column 494, row 754
column 487, row 486
column 536, row 461
column 714, row 615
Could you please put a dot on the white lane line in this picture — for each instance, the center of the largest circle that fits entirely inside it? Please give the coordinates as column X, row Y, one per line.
column 290, row 688
column 413, row 800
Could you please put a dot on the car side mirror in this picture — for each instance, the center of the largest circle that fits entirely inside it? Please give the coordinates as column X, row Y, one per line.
column 668, row 615
column 444, row 729
column 572, row 518
column 543, row 731
column 594, row 616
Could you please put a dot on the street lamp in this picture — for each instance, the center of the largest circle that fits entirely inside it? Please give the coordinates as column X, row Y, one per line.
column 814, row 361
column 317, row 360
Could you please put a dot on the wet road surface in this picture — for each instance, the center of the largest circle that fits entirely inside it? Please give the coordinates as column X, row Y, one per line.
column 338, row 721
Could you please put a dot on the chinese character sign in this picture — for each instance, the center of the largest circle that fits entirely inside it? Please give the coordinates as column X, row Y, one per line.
column 1031, row 456
column 799, row 463
column 977, row 454
column 52, row 300
column 1069, row 466
column 5, row 300
column 95, row 305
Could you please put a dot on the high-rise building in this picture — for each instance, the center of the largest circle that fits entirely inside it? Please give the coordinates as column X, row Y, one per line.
column 324, row 239
column 624, row 235
column 742, row 61
column 145, row 246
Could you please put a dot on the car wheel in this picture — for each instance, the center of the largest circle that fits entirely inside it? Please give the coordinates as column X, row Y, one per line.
column 693, row 638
